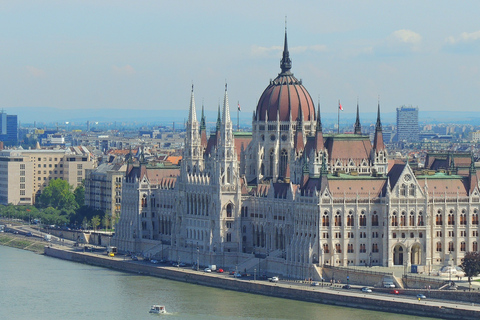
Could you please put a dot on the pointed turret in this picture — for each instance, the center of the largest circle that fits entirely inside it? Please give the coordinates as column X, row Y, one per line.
column 319, row 132
column 358, row 126
column 472, row 175
column 203, row 129
column 285, row 63
column 378, row 140
column 298, row 143
column 192, row 114
column 219, row 118
column 226, row 108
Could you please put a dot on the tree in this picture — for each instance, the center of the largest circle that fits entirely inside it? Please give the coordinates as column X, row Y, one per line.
column 58, row 194
column 471, row 265
column 79, row 194
column 95, row 222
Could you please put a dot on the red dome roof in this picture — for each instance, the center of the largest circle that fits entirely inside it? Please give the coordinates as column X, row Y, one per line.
column 284, row 96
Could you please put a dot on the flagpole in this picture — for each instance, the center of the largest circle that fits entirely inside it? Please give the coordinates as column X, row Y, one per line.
column 338, row 117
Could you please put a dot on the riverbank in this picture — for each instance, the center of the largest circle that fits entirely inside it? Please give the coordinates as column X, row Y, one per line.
column 344, row 298
column 22, row 242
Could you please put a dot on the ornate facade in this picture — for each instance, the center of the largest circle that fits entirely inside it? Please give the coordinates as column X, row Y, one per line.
column 288, row 198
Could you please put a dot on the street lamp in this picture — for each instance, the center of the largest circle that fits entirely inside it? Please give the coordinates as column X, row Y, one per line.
column 197, row 256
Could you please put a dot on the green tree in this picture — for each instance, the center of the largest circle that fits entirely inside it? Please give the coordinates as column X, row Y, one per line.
column 79, row 193
column 471, row 265
column 95, row 222
column 58, row 194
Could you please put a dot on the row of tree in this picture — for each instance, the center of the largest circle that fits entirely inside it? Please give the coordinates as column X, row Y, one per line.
column 60, row 205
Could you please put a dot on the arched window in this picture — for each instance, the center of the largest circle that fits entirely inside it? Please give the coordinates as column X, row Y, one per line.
column 462, row 246
column 272, row 162
column 451, row 218
column 363, row 219
column 394, row 220
column 402, row 219
column 450, row 246
column 350, row 248
column 438, row 218
column 338, row 248
column 283, row 162
column 350, row 222
column 439, row 247
column 229, row 210
column 374, row 219
column 325, row 219
column 411, row 190
column 325, row 248
column 474, row 246
column 411, row 219
column 338, row 220
column 420, row 219
column 403, row 190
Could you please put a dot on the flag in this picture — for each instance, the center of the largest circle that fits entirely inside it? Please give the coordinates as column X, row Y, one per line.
column 239, row 107
column 340, row 106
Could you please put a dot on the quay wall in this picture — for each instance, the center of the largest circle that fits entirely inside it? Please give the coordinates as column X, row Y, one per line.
column 266, row 288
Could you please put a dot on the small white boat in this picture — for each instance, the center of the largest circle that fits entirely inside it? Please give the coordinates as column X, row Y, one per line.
column 157, row 309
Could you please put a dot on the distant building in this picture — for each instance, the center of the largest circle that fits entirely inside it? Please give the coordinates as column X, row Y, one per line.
column 8, row 129
column 25, row 173
column 103, row 187
column 474, row 136
column 407, row 124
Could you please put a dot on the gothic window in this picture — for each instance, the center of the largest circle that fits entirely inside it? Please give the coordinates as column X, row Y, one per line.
column 325, row 219
column 374, row 247
column 283, row 162
column 475, row 218
column 363, row 248
column 229, row 237
column 350, row 221
column 402, row 219
column 363, row 219
column 411, row 219
column 463, row 218
column 420, row 219
column 451, row 247
column 412, row 190
column 350, row 248
column 338, row 248
column 439, row 247
column 462, row 246
column 325, row 248
column 272, row 162
column 229, row 210
column 451, row 219
column 475, row 246
column 403, row 190
column 338, row 220
column 394, row 220
column 374, row 219
column 438, row 218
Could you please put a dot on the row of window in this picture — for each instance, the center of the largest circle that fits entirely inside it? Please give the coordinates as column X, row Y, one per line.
column 350, row 248
column 463, row 246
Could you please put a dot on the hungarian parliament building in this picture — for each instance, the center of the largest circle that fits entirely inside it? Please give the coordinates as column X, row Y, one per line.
column 288, row 199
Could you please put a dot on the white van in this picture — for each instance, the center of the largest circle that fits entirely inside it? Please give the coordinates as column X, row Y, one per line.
column 388, row 284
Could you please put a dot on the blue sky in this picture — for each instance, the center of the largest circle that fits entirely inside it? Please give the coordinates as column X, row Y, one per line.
column 146, row 54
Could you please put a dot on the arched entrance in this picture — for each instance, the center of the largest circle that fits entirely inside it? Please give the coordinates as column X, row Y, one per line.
column 398, row 255
column 416, row 254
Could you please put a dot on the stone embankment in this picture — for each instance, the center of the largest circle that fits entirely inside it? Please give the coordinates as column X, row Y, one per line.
column 345, row 298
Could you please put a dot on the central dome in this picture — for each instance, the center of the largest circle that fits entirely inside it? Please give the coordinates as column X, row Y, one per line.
column 285, row 98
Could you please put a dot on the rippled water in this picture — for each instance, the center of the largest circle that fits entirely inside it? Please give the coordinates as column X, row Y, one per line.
column 38, row 287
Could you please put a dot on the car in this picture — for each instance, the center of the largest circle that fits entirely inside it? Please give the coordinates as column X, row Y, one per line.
column 273, row 279
column 154, row 261
column 314, row 284
column 394, row 292
column 181, row 264
column 347, row 286
column 134, row 258
column 28, row 234
column 237, row 275
column 220, row 270
column 421, row 296
column 366, row 290
column 207, row 270
column 388, row 284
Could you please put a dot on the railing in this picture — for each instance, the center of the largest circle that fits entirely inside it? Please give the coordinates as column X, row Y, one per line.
column 360, row 270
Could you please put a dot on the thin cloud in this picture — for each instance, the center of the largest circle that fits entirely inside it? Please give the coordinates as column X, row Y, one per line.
column 464, row 37
column 407, row 36
column 125, row 70
column 35, row 72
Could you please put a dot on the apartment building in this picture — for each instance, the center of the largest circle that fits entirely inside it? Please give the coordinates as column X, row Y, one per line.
column 25, row 173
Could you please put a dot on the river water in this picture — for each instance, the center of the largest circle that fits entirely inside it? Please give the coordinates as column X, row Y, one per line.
column 35, row 287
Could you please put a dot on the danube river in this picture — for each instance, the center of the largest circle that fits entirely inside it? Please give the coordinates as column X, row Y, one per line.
column 35, row 287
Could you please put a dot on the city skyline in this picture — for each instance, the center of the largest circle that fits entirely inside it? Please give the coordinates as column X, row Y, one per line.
column 109, row 55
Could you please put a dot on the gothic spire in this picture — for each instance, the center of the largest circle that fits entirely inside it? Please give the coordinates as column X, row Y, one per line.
column 358, row 126
column 286, row 63
column 203, row 125
column 192, row 114
column 226, row 108
column 219, row 118
column 378, row 139
column 378, row 126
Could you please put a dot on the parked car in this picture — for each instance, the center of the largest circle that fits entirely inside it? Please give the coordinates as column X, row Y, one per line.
column 28, row 234
column 273, row 279
column 181, row 264
column 366, row 290
column 314, row 284
column 154, row 261
column 421, row 296
column 237, row 275
column 207, row 270
column 388, row 284
column 394, row 292
column 347, row 286
column 220, row 270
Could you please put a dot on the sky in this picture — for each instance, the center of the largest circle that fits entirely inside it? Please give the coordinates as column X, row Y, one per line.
column 147, row 54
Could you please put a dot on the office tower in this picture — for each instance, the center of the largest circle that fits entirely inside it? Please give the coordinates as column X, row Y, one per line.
column 8, row 129
column 407, row 124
